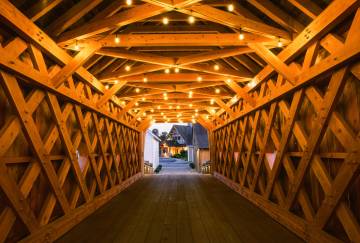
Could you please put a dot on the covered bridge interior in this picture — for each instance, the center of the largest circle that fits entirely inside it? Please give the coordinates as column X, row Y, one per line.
column 275, row 83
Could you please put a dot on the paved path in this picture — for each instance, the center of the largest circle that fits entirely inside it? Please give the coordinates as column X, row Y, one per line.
column 188, row 208
column 174, row 166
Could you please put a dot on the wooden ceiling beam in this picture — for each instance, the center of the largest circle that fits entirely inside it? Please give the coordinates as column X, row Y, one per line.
column 308, row 7
column 121, row 19
column 241, row 92
column 25, row 27
column 109, row 93
column 71, row 16
column 180, row 39
column 333, row 14
column 235, row 21
column 140, row 57
column 207, row 56
column 225, row 107
column 178, row 77
column 277, row 15
column 274, row 61
column 74, row 64
column 40, row 8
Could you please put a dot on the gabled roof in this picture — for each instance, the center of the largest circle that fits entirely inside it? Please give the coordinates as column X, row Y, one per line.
column 185, row 132
column 200, row 136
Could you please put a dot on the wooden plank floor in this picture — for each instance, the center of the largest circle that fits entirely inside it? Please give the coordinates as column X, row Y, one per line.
column 179, row 208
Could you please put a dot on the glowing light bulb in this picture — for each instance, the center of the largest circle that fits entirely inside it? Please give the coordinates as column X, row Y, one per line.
column 107, row 86
column 196, row 110
column 170, row 107
column 116, row 81
column 166, row 98
column 143, row 98
column 117, row 39
column 190, row 105
column 228, row 80
column 77, row 47
column 128, row 2
column 212, row 101
column 139, row 119
column 127, row 68
column 230, row 7
column 152, row 110
column 177, row 70
column 136, row 104
column 167, row 71
column 217, row 91
column 241, row 35
column 216, row 67
column 199, row 79
column 165, row 21
column 191, row 19
column 145, row 79
column 177, row 107
column 159, row 107
column 279, row 44
column 190, row 94
column 137, row 90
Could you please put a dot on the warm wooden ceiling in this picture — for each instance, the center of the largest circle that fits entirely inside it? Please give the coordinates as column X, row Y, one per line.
column 189, row 68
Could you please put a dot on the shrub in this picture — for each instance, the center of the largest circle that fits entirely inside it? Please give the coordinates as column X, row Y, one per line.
column 157, row 170
column 192, row 165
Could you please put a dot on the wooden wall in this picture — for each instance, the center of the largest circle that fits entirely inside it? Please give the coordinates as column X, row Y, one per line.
column 62, row 155
column 295, row 154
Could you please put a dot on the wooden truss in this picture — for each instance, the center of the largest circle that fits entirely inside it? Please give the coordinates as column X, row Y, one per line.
column 277, row 153
column 78, row 91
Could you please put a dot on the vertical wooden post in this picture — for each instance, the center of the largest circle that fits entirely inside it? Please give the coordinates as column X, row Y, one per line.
column 141, row 150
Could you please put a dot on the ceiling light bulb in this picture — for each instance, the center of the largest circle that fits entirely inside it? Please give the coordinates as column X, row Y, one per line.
column 177, row 107
column 199, row 79
column 166, row 98
column 145, row 79
column 143, row 98
column 136, row 104
column 139, row 119
column 230, row 7
column 123, row 102
column 216, row 67
column 107, row 86
column 144, row 114
column 196, row 110
column 165, row 21
column 117, row 39
column 207, row 116
column 170, row 107
column 128, row 2
column 159, row 107
column 217, row 91
column 177, row 70
column 190, row 105
column 167, row 71
column 193, row 121
column 77, row 47
column 137, row 90
column 241, row 36
column 165, row 94
column 116, row 81
column 279, row 44
column 127, row 68
column 191, row 19
column 211, row 101
column 152, row 110
column 228, row 80
column 162, row 113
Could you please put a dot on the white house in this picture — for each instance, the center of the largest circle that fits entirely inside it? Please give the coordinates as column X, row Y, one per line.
column 151, row 149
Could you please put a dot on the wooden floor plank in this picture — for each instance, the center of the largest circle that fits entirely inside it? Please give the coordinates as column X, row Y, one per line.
column 179, row 208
